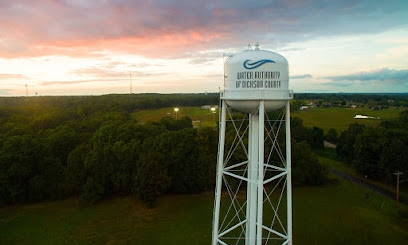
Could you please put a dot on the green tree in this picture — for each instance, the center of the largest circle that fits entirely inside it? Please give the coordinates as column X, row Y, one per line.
column 332, row 136
column 317, row 138
column 403, row 118
column 127, row 155
column 345, row 144
column 75, row 172
column 181, row 152
column 93, row 190
column 368, row 149
column 171, row 124
column 394, row 158
column 59, row 142
column 52, row 171
column 298, row 131
column 17, row 166
column 151, row 179
column 306, row 169
column 207, row 139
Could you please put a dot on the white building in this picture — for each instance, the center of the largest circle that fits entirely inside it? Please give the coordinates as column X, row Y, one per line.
column 360, row 117
column 365, row 117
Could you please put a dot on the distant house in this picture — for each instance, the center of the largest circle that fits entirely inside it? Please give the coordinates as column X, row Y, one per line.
column 360, row 117
column 365, row 117
column 354, row 106
column 302, row 108
column 207, row 107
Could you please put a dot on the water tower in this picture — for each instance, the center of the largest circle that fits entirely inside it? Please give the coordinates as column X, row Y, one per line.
column 253, row 196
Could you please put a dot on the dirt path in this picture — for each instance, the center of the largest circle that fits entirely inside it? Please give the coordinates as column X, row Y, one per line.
column 369, row 186
column 327, row 144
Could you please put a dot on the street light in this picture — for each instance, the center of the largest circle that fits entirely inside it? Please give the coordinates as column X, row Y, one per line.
column 213, row 112
column 176, row 110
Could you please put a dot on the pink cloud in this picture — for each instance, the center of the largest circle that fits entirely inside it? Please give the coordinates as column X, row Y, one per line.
column 47, row 27
column 166, row 28
column 12, row 76
column 163, row 45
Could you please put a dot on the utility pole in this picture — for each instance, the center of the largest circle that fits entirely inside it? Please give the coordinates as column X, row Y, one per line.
column 130, row 73
column 213, row 112
column 398, row 173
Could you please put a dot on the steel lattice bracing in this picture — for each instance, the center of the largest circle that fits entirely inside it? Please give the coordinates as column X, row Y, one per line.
column 253, row 193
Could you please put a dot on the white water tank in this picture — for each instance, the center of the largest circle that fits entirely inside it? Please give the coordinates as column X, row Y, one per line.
column 255, row 75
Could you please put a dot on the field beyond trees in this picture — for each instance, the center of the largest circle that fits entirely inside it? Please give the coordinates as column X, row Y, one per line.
column 340, row 118
column 324, row 118
column 200, row 117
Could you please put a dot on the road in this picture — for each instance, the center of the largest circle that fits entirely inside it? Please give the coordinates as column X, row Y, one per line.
column 369, row 186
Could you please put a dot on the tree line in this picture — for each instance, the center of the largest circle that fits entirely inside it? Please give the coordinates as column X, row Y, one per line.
column 374, row 99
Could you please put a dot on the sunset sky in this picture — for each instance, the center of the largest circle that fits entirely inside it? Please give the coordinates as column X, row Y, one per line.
column 79, row 47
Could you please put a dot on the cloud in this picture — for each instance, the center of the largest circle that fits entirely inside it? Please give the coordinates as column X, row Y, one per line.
column 291, row 49
column 176, row 27
column 388, row 75
column 106, row 72
column 142, row 65
column 5, row 91
column 301, row 76
column 200, row 61
column 200, row 58
column 337, row 84
column 212, row 76
column 12, row 76
column 103, row 74
column 48, row 83
column 100, row 72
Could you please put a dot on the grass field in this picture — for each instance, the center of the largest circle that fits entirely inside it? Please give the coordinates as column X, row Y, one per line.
column 340, row 118
column 341, row 213
column 325, row 118
column 199, row 116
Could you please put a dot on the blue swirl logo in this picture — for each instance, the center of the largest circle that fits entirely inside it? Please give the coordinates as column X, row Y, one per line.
column 256, row 64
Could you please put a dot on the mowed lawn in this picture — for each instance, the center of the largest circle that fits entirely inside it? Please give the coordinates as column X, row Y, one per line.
column 337, row 213
column 340, row 118
column 200, row 117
